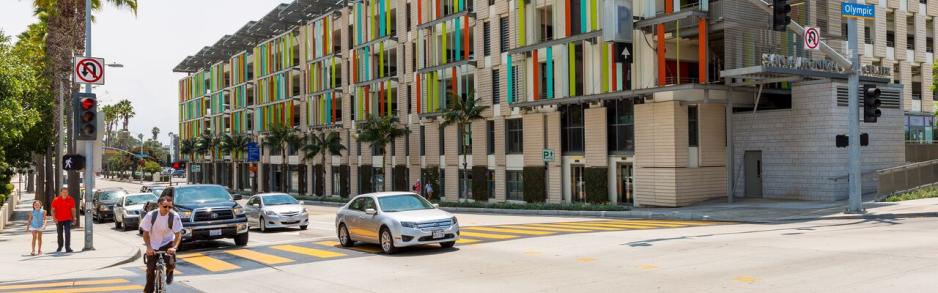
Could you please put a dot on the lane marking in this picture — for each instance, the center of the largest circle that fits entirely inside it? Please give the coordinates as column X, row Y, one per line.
column 564, row 225
column 92, row 289
column 691, row 223
column 369, row 248
column 546, row 229
column 328, row 243
column 648, row 267
column 487, row 235
column 745, row 279
column 209, row 263
column 651, row 224
column 532, row 253
column 466, row 241
column 618, row 226
column 308, row 251
column 585, row 259
column 65, row 284
column 268, row 259
column 508, row 230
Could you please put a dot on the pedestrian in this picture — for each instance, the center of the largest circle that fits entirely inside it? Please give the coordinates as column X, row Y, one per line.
column 429, row 188
column 63, row 212
column 417, row 187
column 162, row 231
column 37, row 224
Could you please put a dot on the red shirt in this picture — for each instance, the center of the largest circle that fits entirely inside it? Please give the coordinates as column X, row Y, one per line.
column 63, row 208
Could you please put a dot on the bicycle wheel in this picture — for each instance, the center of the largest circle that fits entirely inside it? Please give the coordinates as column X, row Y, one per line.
column 159, row 285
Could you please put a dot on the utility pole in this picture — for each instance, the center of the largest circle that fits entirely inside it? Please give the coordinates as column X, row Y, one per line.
column 89, row 146
column 140, row 136
column 855, row 204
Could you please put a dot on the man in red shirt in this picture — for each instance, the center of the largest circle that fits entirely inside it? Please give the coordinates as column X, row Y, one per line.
column 63, row 212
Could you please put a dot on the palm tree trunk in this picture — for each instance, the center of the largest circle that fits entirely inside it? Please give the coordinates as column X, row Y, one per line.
column 285, row 169
column 465, row 164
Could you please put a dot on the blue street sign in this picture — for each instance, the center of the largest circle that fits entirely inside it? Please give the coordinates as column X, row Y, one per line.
column 857, row 10
column 254, row 153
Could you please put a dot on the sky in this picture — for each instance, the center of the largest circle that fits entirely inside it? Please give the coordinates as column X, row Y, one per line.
column 149, row 45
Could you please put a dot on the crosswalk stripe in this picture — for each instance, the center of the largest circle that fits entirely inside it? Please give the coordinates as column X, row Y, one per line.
column 328, row 243
column 90, row 289
column 308, row 251
column 466, row 241
column 64, row 284
column 508, row 230
column 618, row 226
column 487, row 235
column 369, row 249
column 263, row 258
column 176, row 271
column 546, row 229
column 665, row 222
column 649, row 224
column 566, row 225
column 209, row 263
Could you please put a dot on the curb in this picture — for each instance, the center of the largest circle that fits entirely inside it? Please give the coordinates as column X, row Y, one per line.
column 132, row 258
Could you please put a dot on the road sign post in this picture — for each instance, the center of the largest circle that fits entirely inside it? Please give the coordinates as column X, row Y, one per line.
column 91, row 72
column 852, row 11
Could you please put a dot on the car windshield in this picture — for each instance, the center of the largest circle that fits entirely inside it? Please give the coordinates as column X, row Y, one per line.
column 110, row 196
column 157, row 190
column 200, row 194
column 403, row 202
column 278, row 199
column 139, row 199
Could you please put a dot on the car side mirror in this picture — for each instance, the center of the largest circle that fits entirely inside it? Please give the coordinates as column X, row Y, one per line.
column 436, row 205
column 302, row 203
column 371, row 211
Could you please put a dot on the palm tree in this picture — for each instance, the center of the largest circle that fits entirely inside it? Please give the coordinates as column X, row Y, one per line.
column 379, row 132
column 125, row 111
column 187, row 147
column 281, row 138
column 462, row 112
column 110, row 119
column 155, row 131
column 208, row 144
column 323, row 143
column 234, row 145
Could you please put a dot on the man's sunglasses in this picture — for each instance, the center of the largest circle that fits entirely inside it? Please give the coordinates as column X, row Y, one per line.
column 167, row 206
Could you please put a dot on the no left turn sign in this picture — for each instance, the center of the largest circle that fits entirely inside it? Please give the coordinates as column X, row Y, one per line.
column 812, row 38
column 89, row 70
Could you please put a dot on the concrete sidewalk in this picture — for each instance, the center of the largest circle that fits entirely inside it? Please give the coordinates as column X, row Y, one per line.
column 15, row 248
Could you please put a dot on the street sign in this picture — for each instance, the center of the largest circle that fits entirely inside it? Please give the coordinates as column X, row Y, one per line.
column 855, row 10
column 195, row 168
column 812, row 38
column 548, row 155
column 73, row 162
column 89, row 70
column 254, row 153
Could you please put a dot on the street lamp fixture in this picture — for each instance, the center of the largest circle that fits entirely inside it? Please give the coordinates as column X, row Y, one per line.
column 115, row 65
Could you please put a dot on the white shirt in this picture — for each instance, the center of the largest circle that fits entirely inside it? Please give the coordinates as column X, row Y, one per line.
column 160, row 235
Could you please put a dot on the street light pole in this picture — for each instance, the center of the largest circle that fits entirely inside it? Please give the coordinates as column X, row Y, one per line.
column 140, row 136
column 89, row 146
column 855, row 203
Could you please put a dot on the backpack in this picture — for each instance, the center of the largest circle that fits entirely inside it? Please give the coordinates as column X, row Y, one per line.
column 154, row 214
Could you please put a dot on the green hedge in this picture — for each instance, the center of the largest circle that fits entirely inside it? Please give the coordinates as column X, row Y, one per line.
column 537, row 206
column 364, row 179
column 534, row 190
column 596, row 184
column 321, row 198
column 927, row 192
column 480, row 188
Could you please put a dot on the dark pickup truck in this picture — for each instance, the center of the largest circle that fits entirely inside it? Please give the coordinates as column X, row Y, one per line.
column 207, row 212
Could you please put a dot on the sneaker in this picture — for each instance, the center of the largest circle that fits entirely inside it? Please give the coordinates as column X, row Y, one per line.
column 68, row 250
column 57, row 250
column 169, row 278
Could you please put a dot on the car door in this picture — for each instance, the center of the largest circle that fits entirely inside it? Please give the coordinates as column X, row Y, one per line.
column 352, row 218
column 369, row 223
column 253, row 209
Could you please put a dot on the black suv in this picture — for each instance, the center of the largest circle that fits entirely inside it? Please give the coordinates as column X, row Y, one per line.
column 104, row 200
column 207, row 212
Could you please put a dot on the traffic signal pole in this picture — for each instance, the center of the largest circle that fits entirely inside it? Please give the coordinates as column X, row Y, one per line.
column 89, row 146
column 855, row 202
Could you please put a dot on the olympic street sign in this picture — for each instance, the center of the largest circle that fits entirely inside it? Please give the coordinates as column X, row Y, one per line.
column 89, row 70
column 812, row 38
column 855, row 10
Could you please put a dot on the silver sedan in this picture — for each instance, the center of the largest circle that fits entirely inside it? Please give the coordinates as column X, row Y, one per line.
column 275, row 210
column 393, row 220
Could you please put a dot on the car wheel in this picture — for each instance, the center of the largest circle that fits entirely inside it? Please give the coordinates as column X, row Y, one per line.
column 117, row 225
column 303, row 227
column 263, row 225
column 387, row 242
column 241, row 240
column 344, row 239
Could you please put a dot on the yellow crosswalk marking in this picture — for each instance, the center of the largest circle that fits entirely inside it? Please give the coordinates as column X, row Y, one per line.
column 308, row 251
column 487, row 235
column 665, row 222
column 91, row 289
column 369, row 249
column 546, row 229
column 566, row 225
column 268, row 259
column 466, row 241
column 619, row 226
column 650, row 224
column 328, row 243
column 64, row 284
column 508, row 230
column 209, row 263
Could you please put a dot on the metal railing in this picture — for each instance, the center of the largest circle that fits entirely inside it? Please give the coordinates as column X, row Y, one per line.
column 906, row 177
column 917, row 152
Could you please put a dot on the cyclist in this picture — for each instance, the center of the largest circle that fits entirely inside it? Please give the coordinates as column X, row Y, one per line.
column 162, row 231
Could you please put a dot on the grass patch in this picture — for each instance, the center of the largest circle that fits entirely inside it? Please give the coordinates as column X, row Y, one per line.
column 927, row 192
column 536, row 206
column 334, row 199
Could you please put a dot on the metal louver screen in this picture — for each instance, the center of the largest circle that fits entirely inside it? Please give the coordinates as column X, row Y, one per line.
column 890, row 97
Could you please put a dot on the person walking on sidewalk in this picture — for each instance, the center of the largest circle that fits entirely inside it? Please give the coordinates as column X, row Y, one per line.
column 63, row 212
column 162, row 231
column 37, row 224
column 429, row 188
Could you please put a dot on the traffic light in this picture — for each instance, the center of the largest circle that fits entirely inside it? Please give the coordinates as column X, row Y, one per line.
column 871, row 103
column 85, row 112
column 179, row 165
column 780, row 18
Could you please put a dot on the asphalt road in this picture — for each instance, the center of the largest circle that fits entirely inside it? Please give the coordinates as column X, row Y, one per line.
column 574, row 255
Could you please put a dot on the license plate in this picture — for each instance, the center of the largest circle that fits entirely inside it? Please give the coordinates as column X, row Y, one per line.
column 437, row 234
column 216, row 232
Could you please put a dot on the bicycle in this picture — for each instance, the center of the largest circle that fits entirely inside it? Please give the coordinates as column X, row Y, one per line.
column 159, row 284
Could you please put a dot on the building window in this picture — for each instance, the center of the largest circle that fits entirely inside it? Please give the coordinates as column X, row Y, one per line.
column 423, row 140
column 910, row 42
column 336, row 181
column 377, row 179
column 514, row 136
column 516, row 81
column 571, row 129
column 408, row 16
column 693, row 138
column 442, row 140
column 514, row 185
column 490, row 137
column 490, row 179
column 503, row 34
column 930, row 45
column 491, row 2
column 407, row 144
column 409, row 93
column 620, row 118
column 890, row 39
column 376, row 151
column 496, row 87
column 461, row 140
column 916, row 91
column 465, row 184
column 868, row 35
column 358, row 147
column 486, row 36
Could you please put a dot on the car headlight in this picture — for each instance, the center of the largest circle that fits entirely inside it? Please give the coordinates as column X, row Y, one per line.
column 238, row 211
column 303, row 211
column 103, row 208
column 270, row 213
column 408, row 224
column 454, row 221
column 184, row 214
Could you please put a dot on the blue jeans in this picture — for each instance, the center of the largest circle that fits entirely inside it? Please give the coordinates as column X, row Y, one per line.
column 67, row 227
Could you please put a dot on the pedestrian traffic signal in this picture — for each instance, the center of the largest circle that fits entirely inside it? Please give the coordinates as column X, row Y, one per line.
column 780, row 18
column 871, row 103
column 86, row 120
column 179, row 165
column 73, row 162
